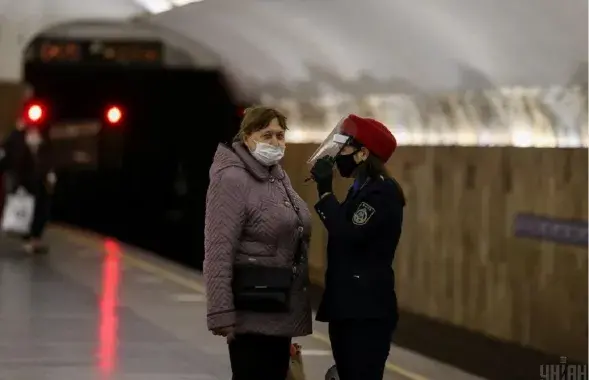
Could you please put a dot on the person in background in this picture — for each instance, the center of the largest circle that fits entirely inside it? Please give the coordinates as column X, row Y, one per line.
column 359, row 301
column 26, row 159
column 27, row 95
column 257, row 230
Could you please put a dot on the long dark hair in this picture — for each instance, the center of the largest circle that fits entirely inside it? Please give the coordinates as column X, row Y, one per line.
column 374, row 168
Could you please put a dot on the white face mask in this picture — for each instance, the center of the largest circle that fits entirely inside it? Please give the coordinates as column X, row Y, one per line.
column 33, row 139
column 268, row 154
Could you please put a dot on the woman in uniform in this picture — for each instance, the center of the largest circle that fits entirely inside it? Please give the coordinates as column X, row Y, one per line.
column 359, row 301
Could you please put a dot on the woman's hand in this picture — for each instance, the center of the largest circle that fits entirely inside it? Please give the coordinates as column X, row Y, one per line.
column 228, row 332
column 322, row 173
column 51, row 181
column 20, row 124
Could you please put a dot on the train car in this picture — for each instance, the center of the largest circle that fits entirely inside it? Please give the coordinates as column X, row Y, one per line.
column 98, row 98
column 132, row 147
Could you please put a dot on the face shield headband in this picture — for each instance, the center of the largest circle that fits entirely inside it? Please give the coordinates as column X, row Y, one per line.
column 332, row 145
column 331, row 148
column 336, row 140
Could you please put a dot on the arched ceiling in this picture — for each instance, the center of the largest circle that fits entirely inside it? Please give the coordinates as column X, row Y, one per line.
column 31, row 17
column 425, row 45
column 179, row 50
column 361, row 46
column 22, row 11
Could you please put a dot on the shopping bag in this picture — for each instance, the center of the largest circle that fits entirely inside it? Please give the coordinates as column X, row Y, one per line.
column 296, row 370
column 18, row 212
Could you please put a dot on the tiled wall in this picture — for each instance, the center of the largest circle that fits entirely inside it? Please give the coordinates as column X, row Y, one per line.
column 458, row 260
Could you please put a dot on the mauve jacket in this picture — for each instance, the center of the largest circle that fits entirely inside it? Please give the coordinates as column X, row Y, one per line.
column 253, row 215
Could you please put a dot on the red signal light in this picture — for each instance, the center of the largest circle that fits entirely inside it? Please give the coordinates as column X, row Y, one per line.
column 114, row 115
column 242, row 110
column 34, row 113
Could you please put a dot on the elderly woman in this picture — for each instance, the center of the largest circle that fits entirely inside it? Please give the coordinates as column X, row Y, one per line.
column 257, row 231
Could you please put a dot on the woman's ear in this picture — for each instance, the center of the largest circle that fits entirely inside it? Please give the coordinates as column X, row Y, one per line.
column 363, row 154
column 248, row 142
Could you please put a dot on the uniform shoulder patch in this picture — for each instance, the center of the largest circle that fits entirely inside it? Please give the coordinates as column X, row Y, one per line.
column 363, row 214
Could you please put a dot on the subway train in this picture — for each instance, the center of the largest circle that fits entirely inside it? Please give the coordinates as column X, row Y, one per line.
column 132, row 148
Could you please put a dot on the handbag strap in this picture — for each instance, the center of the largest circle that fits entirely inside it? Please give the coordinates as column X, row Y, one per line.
column 298, row 256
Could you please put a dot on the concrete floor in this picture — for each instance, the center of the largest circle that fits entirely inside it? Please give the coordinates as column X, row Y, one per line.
column 98, row 310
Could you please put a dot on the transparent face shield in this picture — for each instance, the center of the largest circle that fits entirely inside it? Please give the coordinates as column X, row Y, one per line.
column 335, row 141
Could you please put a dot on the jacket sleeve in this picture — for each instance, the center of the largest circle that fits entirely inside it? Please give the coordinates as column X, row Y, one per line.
column 6, row 148
column 375, row 211
column 225, row 216
column 3, row 157
column 50, row 157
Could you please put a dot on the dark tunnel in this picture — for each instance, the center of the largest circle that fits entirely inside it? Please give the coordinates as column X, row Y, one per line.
column 150, row 189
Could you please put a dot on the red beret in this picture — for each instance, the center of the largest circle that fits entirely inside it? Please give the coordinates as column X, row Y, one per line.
column 372, row 134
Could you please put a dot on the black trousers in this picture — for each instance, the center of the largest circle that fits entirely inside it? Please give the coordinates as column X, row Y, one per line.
column 41, row 214
column 361, row 347
column 259, row 357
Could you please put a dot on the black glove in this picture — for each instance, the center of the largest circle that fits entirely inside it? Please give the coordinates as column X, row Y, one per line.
column 322, row 173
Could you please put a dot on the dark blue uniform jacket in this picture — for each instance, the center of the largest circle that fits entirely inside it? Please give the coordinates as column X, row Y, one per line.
column 363, row 233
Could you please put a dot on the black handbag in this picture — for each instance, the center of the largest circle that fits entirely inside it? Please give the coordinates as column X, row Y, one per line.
column 262, row 289
column 266, row 289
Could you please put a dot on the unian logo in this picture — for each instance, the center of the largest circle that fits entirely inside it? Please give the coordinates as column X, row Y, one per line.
column 563, row 371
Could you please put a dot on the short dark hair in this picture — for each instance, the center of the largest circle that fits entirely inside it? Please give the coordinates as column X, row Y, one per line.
column 257, row 118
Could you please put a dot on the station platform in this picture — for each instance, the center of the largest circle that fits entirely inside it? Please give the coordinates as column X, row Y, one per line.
column 96, row 309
